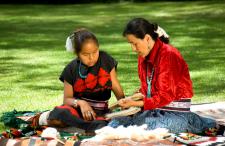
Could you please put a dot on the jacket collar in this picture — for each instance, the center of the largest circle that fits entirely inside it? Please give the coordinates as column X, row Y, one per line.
column 151, row 57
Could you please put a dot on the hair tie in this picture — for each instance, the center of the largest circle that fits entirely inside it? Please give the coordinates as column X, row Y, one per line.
column 161, row 32
column 69, row 43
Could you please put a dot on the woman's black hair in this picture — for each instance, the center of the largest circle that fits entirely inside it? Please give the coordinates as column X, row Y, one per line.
column 80, row 36
column 139, row 27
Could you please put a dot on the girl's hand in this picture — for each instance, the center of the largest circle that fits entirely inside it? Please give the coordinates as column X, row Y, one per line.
column 86, row 110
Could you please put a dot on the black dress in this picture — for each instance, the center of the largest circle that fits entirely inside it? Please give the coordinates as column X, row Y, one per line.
column 92, row 84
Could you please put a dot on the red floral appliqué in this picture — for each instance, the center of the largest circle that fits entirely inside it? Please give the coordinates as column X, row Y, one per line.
column 79, row 86
column 103, row 77
column 91, row 81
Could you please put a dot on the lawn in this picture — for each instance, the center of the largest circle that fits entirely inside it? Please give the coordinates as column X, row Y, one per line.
column 32, row 52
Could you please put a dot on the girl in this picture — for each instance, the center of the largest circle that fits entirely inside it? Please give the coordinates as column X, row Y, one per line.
column 88, row 82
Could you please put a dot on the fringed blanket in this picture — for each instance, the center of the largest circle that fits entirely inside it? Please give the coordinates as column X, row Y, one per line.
column 35, row 141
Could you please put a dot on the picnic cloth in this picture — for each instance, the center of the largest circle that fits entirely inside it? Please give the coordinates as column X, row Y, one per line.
column 31, row 135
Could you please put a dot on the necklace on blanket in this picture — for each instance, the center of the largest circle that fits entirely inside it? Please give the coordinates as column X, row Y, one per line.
column 84, row 70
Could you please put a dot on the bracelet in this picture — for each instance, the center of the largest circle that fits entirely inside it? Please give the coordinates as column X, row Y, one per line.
column 75, row 103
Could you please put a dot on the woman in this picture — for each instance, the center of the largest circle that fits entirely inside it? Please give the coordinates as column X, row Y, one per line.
column 88, row 81
column 166, row 86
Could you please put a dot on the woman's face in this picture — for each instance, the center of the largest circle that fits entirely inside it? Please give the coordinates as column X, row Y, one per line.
column 89, row 53
column 141, row 46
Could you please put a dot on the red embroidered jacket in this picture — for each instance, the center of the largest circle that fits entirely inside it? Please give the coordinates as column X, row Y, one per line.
column 171, row 80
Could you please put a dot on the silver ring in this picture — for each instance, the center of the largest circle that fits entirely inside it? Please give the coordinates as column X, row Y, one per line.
column 89, row 112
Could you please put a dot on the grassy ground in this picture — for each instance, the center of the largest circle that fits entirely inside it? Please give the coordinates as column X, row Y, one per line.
column 32, row 53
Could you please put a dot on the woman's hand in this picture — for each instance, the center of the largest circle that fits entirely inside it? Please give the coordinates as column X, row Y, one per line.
column 136, row 96
column 126, row 102
column 86, row 110
column 133, row 100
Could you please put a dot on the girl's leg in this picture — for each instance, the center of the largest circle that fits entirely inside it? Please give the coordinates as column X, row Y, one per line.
column 62, row 116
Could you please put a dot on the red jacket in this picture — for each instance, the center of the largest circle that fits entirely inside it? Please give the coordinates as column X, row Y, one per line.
column 171, row 80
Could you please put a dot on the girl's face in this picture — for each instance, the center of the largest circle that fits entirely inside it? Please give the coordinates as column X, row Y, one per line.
column 89, row 53
column 141, row 46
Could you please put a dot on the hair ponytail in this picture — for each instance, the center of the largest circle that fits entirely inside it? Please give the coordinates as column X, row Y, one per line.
column 162, row 35
column 140, row 27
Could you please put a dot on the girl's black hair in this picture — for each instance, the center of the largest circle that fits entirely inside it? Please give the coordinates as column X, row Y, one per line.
column 139, row 27
column 80, row 36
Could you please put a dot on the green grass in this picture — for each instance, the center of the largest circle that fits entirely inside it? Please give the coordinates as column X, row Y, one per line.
column 32, row 53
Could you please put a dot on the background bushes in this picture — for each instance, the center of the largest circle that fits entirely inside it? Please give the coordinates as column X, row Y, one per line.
column 78, row 1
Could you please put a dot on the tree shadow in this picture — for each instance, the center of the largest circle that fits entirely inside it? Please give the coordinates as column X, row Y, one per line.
column 196, row 29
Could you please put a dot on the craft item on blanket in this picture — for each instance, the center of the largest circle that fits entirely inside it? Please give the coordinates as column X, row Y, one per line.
column 188, row 138
column 211, row 132
column 135, row 133
column 120, row 113
column 51, row 133
column 216, row 131
column 116, row 111
column 193, row 139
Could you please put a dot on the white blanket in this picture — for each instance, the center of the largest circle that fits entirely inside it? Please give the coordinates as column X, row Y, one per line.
column 211, row 110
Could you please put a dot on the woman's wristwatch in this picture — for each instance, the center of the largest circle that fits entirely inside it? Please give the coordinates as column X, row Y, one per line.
column 75, row 103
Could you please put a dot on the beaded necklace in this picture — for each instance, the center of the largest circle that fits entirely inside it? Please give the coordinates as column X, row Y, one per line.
column 149, row 82
column 79, row 70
